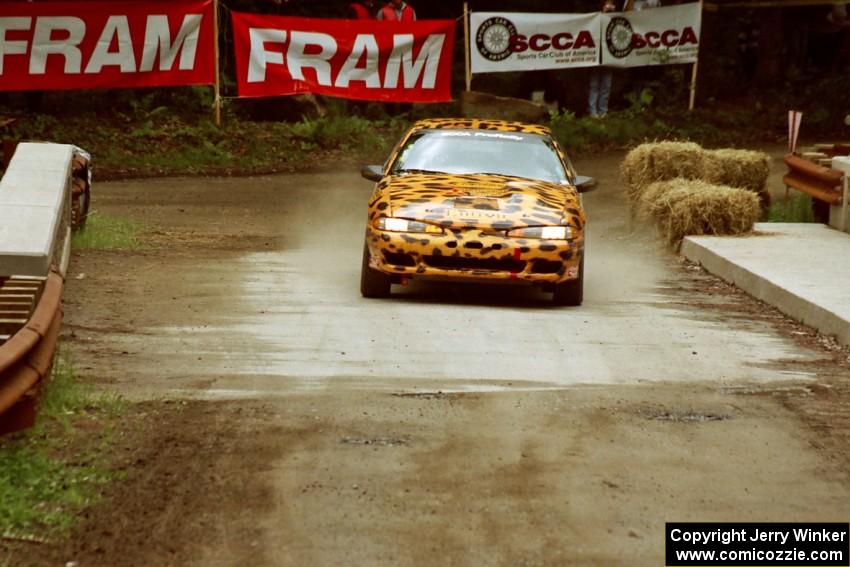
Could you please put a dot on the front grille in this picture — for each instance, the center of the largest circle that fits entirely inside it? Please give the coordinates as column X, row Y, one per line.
column 397, row 259
column 546, row 267
column 487, row 264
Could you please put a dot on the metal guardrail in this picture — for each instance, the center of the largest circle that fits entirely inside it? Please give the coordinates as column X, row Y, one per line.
column 26, row 358
column 820, row 182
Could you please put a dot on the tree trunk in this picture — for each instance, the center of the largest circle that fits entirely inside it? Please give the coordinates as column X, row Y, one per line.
column 771, row 47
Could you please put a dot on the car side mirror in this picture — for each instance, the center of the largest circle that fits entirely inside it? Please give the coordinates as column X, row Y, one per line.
column 372, row 172
column 585, row 183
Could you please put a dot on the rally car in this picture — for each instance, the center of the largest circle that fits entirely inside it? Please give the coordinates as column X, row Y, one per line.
column 476, row 200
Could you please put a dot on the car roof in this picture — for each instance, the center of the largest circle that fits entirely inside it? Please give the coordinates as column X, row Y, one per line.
column 480, row 124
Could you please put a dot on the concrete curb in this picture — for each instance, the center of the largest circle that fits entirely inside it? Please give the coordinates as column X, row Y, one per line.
column 767, row 285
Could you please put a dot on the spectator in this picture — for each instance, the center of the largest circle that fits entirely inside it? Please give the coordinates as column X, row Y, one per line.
column 638, row 5
column 748, row 48
column 364, row 10
column 600, row 80
column 831, row 40
column 837, row 16
column 397, row 11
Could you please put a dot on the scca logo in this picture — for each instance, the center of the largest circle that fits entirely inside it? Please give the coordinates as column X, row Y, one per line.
column 542, row 42
column 493, row 38
column 669, row 38
column 497, row 38
column 621, row 38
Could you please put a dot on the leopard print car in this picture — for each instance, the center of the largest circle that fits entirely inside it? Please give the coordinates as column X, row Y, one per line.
column 474, row 225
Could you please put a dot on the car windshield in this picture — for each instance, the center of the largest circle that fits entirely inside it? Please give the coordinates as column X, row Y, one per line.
column 475, row 151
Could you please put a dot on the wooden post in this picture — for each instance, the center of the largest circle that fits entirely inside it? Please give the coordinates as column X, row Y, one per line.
column 467, row 58
column 693, row 86
column 694, row 69
column 217, row 87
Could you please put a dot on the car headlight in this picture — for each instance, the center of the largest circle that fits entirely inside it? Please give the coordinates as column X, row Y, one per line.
column 393, row 224
column 543, row 232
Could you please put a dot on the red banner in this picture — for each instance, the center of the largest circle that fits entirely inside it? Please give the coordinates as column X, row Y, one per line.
column 84, row 45
column 365, row 60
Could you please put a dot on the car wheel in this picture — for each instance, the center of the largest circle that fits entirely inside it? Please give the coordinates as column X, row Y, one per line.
column 80, row 209
column 571, row 292
column 85, row 203
column 372, row 282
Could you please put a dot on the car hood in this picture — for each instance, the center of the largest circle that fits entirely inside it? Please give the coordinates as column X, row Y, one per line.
column 498, row 202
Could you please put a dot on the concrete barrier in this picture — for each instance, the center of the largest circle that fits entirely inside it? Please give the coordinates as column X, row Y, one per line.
column 802, row 269
column 35, row 204
column 839, row 215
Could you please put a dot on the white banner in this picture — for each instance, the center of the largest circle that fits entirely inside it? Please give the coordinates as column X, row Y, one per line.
column 528, row 42
column 654, row 36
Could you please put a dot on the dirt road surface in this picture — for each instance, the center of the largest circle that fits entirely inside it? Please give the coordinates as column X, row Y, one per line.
column 449, row 425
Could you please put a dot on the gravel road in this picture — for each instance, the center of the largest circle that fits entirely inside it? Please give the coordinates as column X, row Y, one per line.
column 450, row 424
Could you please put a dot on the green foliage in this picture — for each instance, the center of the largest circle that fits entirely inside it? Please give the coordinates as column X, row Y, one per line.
column 640, row 101
column 149, row 138
column 330, row 132
column 41, row 489
column 104, row 232
column 798, row 208
column 616, row 129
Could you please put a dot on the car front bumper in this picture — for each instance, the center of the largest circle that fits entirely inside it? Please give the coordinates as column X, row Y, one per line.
column 474, row 255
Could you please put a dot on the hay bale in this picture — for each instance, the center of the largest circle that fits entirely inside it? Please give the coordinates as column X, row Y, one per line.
column 697, row 207
column 656, row 199
column 746, row 169
column 660, row 161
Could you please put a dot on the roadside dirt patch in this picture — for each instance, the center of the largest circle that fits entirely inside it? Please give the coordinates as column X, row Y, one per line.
column 186, row 473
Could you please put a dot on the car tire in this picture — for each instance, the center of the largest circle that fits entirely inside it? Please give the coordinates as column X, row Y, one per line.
column 85, row 204
column 80, row 210
column 571, row 292
column 373, row 283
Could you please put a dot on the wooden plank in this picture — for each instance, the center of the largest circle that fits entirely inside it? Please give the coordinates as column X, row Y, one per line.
column 11, row 326
column 17, row 289
column 16, row 305
column 28, row 300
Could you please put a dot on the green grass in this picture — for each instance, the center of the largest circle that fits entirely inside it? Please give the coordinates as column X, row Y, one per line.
column 105, row 232
column 43, row 485
column 798, row 208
